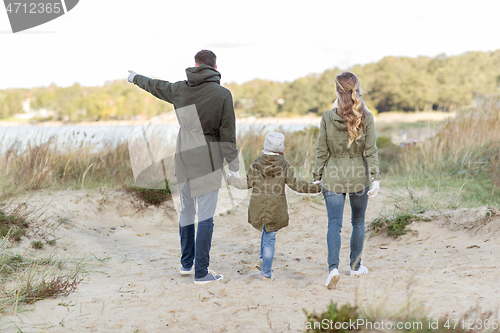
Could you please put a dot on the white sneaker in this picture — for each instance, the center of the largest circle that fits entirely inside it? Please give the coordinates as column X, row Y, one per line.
column 332, row 279
column 362, row 270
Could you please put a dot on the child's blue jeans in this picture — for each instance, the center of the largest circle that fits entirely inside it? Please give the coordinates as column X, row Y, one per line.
column 267, row 242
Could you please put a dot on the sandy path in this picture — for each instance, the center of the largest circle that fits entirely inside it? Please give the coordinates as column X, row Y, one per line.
column 139, row 288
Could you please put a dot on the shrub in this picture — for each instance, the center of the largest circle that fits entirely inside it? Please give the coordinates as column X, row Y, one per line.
column 38, row 245
column 13, row 224
column 154, row 197
column 395, row 226
column 334, row 314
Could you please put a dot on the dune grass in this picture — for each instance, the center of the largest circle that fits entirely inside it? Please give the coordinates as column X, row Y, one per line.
column 462, row 161
column 13, row 225
column 61, row 162
column 300, row 148
column 25, row 279
column 463, row 157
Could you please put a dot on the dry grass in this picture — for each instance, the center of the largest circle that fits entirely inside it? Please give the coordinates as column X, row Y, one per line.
column 467, row 149
column 18, row 220
column 13, row 224
column 61, row 162
column 300, row 148
column 463, row 156
column 25, row 279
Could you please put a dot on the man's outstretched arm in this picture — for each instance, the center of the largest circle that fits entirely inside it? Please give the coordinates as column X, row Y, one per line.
column 158, row 88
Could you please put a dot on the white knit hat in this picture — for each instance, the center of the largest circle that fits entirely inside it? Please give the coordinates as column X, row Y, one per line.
column 274, row 143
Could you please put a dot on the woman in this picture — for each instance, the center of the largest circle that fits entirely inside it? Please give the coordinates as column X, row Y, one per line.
column 346, row 163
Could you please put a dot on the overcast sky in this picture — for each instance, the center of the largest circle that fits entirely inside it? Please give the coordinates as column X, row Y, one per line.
column 100, row 40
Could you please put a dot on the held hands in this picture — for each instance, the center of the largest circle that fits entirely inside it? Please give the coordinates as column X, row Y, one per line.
column 130, row 77
column 315, row 183
column 375, row 189
column 236, row 174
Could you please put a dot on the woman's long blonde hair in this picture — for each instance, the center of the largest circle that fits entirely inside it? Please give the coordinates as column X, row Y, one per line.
column 350, row 104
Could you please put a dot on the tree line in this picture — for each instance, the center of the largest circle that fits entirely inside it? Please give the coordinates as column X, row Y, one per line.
column 393, row 83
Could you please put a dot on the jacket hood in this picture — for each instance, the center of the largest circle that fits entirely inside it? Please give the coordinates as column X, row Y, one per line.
column 271, row 165
column 201, row 74
column 339, row 122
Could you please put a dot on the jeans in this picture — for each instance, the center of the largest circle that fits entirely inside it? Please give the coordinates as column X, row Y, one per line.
column 197, row 250
column 267, row 242
column 335, row 209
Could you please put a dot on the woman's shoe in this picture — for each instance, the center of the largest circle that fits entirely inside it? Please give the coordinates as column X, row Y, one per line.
column 361, row 270
column 332, row 279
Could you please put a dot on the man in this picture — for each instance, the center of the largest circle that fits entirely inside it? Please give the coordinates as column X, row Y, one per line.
column 204, row 109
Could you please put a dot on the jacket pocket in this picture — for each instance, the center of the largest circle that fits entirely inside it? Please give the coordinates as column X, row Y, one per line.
column 358, row 147
column 338, row 146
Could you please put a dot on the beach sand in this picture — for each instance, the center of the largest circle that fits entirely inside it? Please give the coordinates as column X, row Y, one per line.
column 139, row 288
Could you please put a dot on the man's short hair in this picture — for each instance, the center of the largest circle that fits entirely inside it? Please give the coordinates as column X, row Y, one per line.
column 205, row 57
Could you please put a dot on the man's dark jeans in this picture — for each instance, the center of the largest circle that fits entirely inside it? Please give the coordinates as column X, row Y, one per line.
column 196, row 248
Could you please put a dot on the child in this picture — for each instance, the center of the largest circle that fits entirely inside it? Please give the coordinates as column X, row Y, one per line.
column 267, row 211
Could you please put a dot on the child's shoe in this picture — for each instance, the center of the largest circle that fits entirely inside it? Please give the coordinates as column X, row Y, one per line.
column 258, row 264
column 332, row 279
column 361, row 270
column 265, row 278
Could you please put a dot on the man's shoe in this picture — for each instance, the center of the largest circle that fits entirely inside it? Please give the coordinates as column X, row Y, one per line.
column 361, row 270
column 332, row 279
column 185, row 271
column 210, row 277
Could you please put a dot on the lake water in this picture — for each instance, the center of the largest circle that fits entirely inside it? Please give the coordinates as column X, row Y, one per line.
column 101, row 136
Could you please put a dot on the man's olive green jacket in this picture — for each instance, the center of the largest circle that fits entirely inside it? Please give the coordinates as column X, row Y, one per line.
column 200, row 162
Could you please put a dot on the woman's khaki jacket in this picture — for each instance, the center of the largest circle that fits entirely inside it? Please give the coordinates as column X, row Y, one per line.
column 342, row 169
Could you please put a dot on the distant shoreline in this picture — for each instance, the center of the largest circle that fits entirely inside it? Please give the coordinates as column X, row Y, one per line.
column 405, row 117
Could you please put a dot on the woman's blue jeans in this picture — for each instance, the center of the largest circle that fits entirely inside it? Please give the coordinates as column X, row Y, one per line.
column 335, row 210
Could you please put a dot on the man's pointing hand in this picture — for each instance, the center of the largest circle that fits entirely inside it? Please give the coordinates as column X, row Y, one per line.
column 131, row 76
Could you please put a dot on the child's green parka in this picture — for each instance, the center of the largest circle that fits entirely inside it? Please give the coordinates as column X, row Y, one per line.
column 267, row 176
